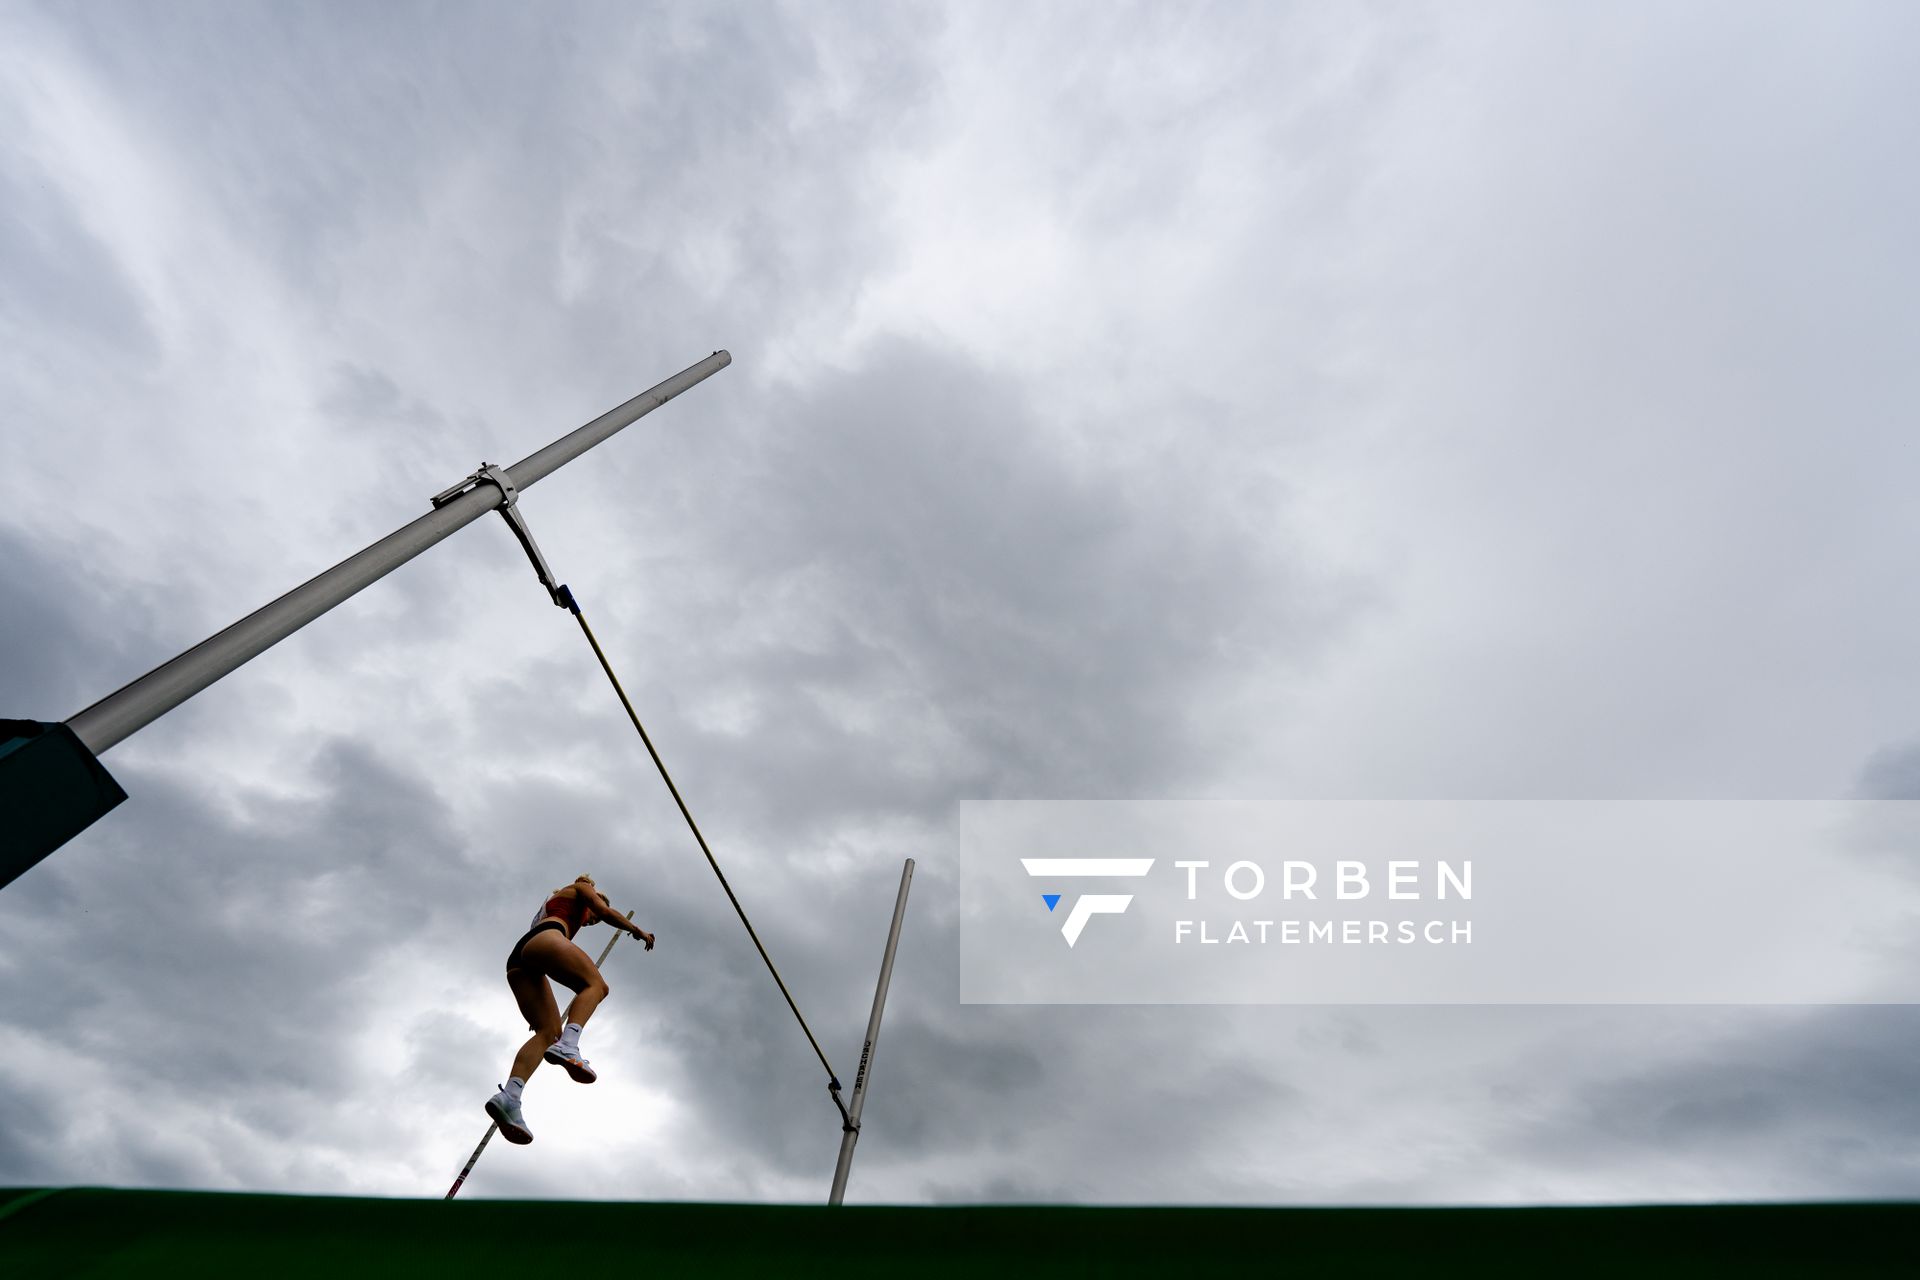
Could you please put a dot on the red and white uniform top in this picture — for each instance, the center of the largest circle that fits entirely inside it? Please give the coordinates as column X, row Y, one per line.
column 570, row 909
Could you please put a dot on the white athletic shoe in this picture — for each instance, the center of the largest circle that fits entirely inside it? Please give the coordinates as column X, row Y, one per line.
column 577, row 1067
column 506, row 1113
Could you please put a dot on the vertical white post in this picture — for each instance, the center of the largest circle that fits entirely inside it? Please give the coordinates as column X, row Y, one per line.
column 851, row 1133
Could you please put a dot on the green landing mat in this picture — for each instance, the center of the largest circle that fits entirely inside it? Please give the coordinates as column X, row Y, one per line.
column 87, row 1231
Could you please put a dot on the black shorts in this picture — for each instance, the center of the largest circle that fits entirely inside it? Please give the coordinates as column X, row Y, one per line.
column 513, row 956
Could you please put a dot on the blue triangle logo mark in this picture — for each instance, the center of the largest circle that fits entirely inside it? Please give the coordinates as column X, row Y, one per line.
column 1051, row 899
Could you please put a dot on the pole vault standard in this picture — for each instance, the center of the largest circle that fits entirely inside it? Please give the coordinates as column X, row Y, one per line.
column 492, row 1129
column 120, row 714
column 850, row 1131
column 51, row 783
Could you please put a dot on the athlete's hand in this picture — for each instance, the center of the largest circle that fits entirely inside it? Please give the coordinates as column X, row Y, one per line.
column 645, row 937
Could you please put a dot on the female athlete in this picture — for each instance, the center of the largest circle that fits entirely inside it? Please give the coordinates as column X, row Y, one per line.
column 547, row 951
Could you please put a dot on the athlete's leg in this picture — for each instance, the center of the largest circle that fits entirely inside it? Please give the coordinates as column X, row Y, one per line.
column 572, row 968
column 535, row 997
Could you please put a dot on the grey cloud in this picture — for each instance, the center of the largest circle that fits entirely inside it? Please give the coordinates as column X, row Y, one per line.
column 1892, row 773
column 29, row 1145
column 1790, row 1103
column 224, row 947
column 70, row 630
column 952, row 571
column 62, row 284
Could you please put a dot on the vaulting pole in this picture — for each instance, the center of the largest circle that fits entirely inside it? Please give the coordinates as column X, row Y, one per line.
column 850, row 1134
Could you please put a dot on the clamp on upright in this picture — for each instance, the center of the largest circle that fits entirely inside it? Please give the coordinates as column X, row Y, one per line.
column 847, row 1123
column 510, row 511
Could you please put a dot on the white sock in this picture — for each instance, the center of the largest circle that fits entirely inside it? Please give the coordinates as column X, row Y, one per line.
column 514, row 1085
column 570, row 1037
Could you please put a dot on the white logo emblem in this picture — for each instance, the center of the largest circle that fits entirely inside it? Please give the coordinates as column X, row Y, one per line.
column 1087, row 905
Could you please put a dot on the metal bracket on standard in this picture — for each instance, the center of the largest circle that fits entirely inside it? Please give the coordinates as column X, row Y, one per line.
column 510, row 511
column 847, row 1123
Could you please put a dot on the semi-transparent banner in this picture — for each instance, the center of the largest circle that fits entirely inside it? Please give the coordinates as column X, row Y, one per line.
column 1536, row 902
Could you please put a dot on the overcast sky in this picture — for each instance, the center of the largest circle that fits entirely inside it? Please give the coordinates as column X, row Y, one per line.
column 1272, row 401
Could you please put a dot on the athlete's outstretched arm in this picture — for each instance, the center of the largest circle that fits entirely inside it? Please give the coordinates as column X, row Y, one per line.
column 604, row 910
